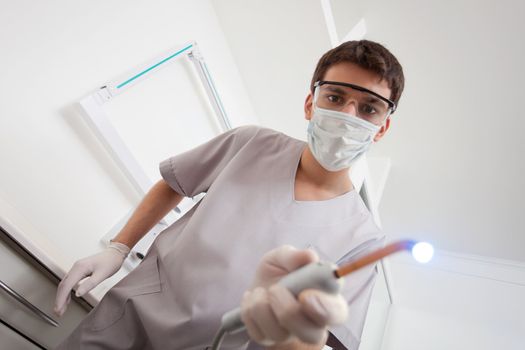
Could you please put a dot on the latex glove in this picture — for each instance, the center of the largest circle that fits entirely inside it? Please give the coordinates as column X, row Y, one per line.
column 271, row 313
column 96, row 268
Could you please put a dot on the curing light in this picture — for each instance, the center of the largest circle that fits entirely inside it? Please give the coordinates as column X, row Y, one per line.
column 324, row 276
column 422, row 252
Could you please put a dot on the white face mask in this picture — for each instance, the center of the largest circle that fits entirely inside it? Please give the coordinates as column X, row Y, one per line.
column 338, row 139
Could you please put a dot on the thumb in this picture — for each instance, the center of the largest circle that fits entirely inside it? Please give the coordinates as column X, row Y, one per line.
column 279, row 262
column 89, row 283
column 289, row 258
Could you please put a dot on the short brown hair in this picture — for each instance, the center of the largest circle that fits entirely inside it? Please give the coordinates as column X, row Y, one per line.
column 368, row 55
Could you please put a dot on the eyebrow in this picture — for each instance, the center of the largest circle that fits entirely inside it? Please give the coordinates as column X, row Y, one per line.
column 373, row 99
column 337, row 89
column 370, row 98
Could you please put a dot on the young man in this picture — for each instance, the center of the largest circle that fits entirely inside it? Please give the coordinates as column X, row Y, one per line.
column 265, row 192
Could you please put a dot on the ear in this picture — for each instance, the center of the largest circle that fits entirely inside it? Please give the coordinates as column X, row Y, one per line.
column 383, row 130
column 308, row 107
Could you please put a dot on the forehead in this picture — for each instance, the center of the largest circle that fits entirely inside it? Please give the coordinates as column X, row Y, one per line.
column 351, row 73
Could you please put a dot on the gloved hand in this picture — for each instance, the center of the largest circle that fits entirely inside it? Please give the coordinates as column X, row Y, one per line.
column 96, row 268
column 271, row 313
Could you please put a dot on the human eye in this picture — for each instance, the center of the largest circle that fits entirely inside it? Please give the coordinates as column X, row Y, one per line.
column 331, row 100
column 334, row 99
column 368, row 109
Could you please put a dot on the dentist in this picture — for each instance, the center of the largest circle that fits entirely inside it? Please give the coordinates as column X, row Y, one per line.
column 266, row 193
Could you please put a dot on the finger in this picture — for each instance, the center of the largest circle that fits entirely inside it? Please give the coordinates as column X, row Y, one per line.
column 77, row 273
column 289, row 313
column 323, row 308
column 88, row 284
column 247, row 317
column 265, row 318
column 60, row 311
column 287, row 258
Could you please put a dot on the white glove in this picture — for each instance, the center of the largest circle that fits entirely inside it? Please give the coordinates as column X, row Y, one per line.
column 96, row 268
column 273, row 315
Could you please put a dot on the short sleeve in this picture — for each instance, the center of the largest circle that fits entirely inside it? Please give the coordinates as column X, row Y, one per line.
column 193, row 172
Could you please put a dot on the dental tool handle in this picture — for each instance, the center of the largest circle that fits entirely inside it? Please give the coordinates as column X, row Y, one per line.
column 317, row 275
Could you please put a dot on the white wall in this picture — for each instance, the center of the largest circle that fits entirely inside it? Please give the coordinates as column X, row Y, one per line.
column 456, row 302
column 411, row 329
column 54, row 172
column 276, row 45
column 456, row 143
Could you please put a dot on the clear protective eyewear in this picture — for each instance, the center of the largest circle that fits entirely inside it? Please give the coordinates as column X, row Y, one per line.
column 337, row 96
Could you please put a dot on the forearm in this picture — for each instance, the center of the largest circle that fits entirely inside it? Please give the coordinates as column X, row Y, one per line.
column 153, row 207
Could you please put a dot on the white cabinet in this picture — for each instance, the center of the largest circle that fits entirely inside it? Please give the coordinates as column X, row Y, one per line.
column 24, row 278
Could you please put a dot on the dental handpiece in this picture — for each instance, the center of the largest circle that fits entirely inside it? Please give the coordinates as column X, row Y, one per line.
column 319, row 275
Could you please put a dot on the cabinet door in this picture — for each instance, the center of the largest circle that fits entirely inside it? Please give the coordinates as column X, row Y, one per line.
column 12, row 340
column 38, row 290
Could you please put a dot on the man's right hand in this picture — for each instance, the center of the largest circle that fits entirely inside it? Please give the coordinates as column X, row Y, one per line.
column 274, row 316
column 92, row 270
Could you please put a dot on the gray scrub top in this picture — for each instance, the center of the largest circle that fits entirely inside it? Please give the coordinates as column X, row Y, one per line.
column 209, row 256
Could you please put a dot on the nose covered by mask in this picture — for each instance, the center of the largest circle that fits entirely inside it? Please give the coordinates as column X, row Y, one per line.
column 338, row 139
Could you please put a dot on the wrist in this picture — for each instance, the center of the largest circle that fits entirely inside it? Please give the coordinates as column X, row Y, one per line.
column 120, row 248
